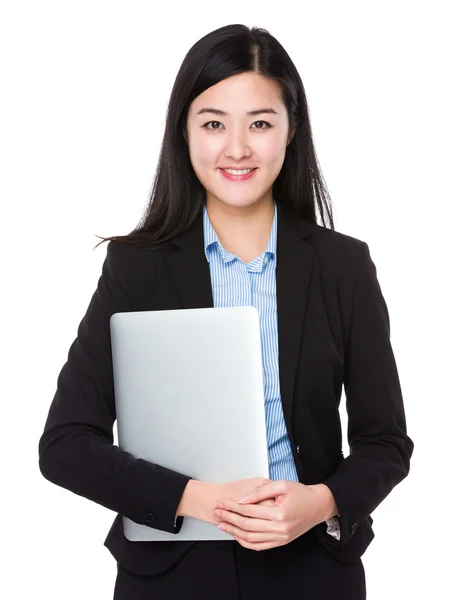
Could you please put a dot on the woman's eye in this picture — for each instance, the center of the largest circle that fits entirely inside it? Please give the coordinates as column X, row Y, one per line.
column 208, row 123
column 205, row 125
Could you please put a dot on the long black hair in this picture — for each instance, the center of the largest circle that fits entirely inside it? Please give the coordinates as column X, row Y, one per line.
column 177, row 196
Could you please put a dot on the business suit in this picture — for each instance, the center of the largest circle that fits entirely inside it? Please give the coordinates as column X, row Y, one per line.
column 238, row 282
column 333, row 327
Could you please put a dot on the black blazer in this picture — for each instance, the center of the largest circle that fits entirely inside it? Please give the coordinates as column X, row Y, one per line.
column 334, row 331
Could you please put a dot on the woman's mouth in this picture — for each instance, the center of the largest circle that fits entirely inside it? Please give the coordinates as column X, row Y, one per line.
column 241, row 175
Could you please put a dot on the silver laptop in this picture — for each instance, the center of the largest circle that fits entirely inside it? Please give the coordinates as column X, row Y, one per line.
column 189, row 396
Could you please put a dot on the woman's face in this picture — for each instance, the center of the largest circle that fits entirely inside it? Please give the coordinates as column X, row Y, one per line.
column 221, row 134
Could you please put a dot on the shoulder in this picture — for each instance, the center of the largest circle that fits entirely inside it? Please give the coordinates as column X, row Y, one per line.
column 128, row 255
column 134, row 267
column 343, row 253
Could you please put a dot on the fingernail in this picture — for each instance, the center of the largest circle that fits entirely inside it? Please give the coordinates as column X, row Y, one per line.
column 219, row 505
column 243, row 498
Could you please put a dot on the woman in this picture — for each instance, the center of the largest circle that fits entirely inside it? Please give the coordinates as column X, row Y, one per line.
column 232, row 221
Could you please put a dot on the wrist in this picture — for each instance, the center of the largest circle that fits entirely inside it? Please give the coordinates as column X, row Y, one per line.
column 198, row 500
column 326, row 503
column 188, row 502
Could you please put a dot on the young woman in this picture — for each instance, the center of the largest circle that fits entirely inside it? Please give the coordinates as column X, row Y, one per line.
column 232, row 221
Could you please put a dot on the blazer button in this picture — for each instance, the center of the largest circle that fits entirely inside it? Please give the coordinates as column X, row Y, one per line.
column 297, row 449
column 353, row 527
column 149, row 518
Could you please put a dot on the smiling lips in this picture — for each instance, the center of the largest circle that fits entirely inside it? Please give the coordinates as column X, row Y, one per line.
column 239, row 175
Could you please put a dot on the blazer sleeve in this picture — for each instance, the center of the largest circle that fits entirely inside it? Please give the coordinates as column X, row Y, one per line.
column 76, row 449
column 380, row 449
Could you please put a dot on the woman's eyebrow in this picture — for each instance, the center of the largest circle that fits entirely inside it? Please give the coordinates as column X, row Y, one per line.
column 251, row 113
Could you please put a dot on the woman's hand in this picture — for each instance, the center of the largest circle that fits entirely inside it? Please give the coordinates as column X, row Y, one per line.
column 295, row 509
column 214, row 492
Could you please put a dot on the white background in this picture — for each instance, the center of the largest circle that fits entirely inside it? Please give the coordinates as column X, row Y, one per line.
column 390, row 87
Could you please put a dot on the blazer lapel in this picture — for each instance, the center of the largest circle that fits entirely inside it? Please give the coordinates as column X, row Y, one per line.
column 191, row 275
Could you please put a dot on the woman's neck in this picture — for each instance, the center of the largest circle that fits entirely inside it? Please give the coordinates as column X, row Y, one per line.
column 243, row 231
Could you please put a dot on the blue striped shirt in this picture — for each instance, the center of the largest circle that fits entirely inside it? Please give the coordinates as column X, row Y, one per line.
column 235, row 283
